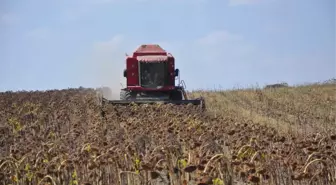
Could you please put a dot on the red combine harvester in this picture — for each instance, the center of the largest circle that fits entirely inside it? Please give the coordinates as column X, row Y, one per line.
column 151, row 76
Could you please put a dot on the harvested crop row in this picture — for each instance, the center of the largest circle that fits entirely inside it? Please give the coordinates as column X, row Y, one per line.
column 64, row 137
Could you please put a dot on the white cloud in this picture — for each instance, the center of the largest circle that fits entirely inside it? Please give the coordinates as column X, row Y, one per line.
column 216, row 37
column 39, row 33
column 243, row 2
column 107, row 46
column 132, row 1
column 82, row 8
column 103, row 1
column 218, row 53
column 9, row 18
column 99, row 1
column 224, row 44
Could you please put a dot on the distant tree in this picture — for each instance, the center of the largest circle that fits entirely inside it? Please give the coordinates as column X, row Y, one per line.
column 284, row 84
column 331, row 81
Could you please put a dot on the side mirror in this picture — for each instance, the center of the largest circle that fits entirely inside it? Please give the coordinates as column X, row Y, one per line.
column 125, row 73
column 177, row 71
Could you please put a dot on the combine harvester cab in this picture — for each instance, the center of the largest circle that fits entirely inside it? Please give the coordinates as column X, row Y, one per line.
column 150, row 77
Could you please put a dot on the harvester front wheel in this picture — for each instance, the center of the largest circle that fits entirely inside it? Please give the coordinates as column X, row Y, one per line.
column 125, row 95
column 176, row 95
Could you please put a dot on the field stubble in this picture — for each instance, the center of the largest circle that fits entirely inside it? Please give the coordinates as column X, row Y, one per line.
column 64, row 137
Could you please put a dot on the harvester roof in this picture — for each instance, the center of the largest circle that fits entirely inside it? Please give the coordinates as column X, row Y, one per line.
column 149, row 49
column 151, row 53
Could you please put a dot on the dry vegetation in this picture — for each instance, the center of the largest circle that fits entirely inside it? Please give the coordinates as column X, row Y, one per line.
column 273, row 136
column 296, row 110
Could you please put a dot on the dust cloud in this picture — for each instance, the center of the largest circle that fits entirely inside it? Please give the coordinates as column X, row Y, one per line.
column 105, row 67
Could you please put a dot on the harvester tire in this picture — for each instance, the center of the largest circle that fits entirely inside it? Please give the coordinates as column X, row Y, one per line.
column 177, row 95
column 125, row 95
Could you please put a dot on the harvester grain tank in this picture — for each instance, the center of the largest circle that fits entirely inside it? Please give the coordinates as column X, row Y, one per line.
column 150, row 77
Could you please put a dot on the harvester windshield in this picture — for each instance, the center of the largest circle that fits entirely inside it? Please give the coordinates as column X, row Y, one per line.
column 153, row 74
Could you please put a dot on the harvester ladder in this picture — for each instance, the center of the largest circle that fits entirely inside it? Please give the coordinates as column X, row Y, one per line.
column 184, row 94
column 182, row 83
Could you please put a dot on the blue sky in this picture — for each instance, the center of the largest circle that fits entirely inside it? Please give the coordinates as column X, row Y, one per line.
column 217, row 43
